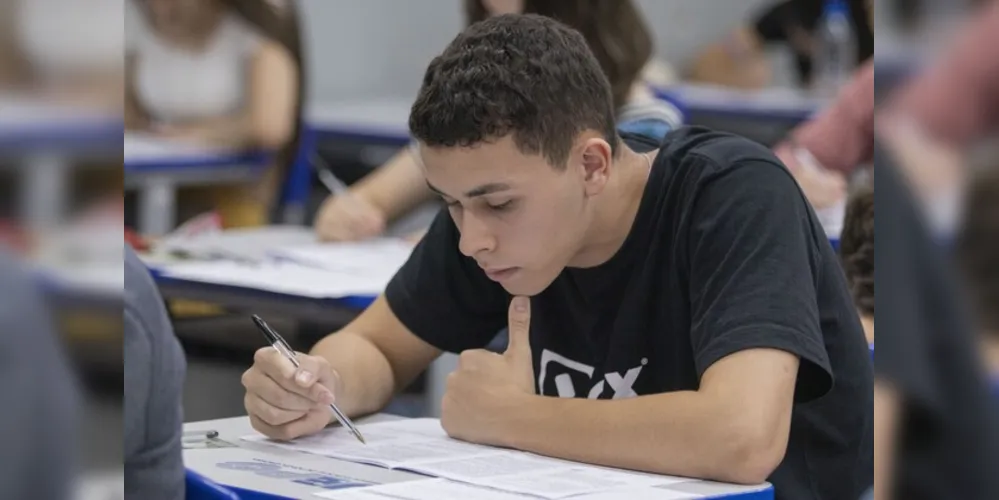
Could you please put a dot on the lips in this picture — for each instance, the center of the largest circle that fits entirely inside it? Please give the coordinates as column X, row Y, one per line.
column 499, row 273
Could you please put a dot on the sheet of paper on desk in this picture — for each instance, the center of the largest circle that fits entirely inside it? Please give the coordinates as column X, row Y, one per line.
column 250, row 243
column 428, row 489
column 280, row 277
column 444, row 489
column 420, row 445
column 379, row 256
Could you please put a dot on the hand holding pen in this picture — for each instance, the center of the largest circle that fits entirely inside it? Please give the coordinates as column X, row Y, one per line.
column 290, row 395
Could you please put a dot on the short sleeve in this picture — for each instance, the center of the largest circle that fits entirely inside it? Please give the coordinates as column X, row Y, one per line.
column 753, row 266
column 248, row 37
column 443, row 297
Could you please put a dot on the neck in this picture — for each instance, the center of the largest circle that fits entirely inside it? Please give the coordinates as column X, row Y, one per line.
column 990, row 347
column 615, row 209
column 868, row 323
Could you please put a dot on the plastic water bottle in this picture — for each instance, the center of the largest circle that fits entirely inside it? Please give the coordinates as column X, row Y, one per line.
column 836, row 49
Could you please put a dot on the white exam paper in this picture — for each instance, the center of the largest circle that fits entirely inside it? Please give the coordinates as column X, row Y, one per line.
column 422, row 446
column 428, row 489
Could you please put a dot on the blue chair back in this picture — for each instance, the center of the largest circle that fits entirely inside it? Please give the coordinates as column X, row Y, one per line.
column 298, row 180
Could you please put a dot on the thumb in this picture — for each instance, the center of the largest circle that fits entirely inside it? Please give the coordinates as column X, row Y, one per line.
column 519, row 326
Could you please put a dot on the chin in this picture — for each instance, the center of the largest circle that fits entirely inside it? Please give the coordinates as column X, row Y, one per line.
column 526, row 286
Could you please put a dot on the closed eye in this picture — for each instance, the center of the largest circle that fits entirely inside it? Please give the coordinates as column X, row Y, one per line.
column 501, row 207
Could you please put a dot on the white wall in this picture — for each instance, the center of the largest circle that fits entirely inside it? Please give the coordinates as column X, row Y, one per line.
column 375, row 48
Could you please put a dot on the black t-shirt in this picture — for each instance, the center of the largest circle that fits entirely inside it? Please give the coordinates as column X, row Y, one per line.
column 778, row 23
column 724, row 255
column 948, row 447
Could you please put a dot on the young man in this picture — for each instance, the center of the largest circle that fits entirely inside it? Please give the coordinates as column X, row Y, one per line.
column 682, row 302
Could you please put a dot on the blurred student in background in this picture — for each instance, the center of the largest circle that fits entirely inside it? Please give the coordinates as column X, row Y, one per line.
column 223, row 73
column 40, row 414
column 928, row 123
column 857, row 253
column 72, row 51
column 740, row 60
column 978, row 255
column 617, row 35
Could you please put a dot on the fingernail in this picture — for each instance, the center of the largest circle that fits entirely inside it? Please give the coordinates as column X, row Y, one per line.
column 327, row 398
column 303, row 377
column 520, row 304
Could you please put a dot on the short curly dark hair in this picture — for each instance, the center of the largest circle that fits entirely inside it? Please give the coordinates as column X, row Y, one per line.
column 525, row 75
column 856, row 247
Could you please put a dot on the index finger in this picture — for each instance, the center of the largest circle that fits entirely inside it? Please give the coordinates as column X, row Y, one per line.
column 283, row 372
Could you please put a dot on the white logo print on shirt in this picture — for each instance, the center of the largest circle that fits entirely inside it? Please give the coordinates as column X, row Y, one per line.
column 622, row 384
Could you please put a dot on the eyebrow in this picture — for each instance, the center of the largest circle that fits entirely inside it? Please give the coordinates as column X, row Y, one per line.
column 482, row 190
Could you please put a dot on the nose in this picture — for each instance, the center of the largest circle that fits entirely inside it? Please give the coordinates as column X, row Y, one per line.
column 475, row 235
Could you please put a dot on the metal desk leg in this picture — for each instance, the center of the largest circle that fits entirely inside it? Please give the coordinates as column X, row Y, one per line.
column 157, row 206
column 43, row 190
column 436, row 381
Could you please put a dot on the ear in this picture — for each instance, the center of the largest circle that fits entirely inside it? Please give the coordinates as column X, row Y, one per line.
column 596, row 164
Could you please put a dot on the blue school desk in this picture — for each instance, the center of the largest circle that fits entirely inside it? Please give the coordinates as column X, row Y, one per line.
column 233, row 469
column 374, row 121
column 43, row 142
column 156, row 168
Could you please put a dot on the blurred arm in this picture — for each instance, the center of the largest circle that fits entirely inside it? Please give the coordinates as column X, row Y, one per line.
column 842, row 137
column 396, row 187
column 267, row 121
column 375, row 356
column 885, row 431
column 957, row 99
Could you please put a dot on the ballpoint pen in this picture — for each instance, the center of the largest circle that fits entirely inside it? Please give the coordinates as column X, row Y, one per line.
column 279, row 344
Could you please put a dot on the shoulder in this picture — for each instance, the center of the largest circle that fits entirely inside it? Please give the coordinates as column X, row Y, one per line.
column 243, row 34
column 712, row 173
column 715, row 153
column 143, row 305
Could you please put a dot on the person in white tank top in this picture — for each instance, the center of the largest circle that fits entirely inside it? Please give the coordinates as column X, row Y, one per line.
column 199, row 71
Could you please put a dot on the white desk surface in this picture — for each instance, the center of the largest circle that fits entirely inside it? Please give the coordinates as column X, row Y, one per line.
column 140, row 149
column 205, row 461
column 20, row 113
column 387, row 117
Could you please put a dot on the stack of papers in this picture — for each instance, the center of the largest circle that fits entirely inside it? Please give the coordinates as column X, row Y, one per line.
column 422, row 446
column 311, row 270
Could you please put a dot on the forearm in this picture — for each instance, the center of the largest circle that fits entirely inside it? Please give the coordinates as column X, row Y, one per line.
column 397, row 187
column 842, row 137
column 885, row 423
column 679, row 433
column 366, row 379
column 228, row 131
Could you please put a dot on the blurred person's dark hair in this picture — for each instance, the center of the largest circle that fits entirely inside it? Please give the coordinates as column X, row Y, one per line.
column 280, row 22
column 614, row 30
column 978, row 246
column 526, row 75
column 856, row 246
